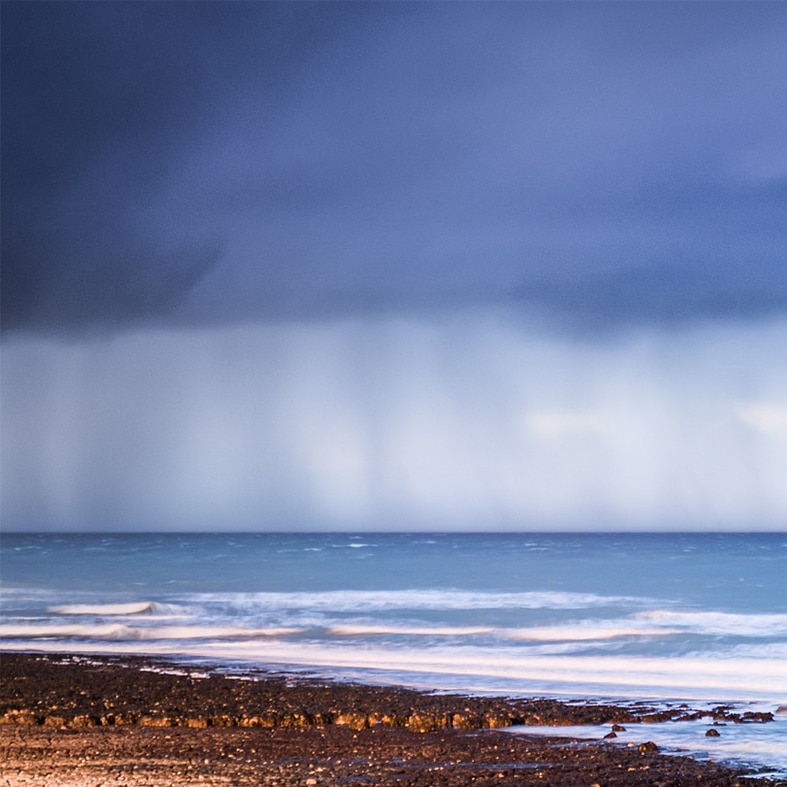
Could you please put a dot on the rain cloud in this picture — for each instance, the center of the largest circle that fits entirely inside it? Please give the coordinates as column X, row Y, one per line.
column 352, row 265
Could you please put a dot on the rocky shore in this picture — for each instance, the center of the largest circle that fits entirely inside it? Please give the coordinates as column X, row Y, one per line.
column 104, row 721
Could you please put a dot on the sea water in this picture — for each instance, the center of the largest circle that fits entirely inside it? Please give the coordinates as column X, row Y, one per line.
column 670, row 618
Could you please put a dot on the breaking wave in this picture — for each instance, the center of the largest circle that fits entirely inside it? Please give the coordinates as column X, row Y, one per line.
column 119, row 632
column 131, row 608
column 718, row 623
column 381, row 600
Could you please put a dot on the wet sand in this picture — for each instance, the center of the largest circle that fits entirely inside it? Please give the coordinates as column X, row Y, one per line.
column 102, row 721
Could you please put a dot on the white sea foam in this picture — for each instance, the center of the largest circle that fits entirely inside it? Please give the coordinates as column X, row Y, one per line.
column 587, row 632
column 118, row 631
column 380, row 600
column 359, row 629
column 742, row 744
column 479, row 668
column 130, row 608
column 719, row 623
column 49, row 631
column 697, row 678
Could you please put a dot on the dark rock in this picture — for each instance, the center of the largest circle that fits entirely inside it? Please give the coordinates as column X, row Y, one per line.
column 647, row 748
column 756, row 717
column 166, row 727
column 712, row 733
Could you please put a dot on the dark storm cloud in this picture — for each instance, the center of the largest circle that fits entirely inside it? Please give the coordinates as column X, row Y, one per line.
column 99, row 102
column 201, row 162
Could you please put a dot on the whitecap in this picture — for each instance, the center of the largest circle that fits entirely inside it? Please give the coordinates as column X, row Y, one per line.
column 719, row 623
column 377, row 600
column 586, row 632
column 129, row 608
column 353, row 629
column 118, row 631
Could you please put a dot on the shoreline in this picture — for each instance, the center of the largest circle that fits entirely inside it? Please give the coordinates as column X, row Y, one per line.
column 86, row 720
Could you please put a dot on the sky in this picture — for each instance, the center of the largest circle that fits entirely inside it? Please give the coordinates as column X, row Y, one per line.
column 415, row 266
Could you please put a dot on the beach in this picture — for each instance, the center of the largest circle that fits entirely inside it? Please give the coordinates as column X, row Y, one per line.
column 83, row 722
column 432, row 649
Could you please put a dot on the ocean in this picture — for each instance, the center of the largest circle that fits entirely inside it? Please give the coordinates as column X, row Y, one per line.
column 669, row 618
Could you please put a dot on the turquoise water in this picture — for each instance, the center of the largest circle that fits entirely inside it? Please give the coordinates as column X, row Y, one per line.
column 700, row 618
